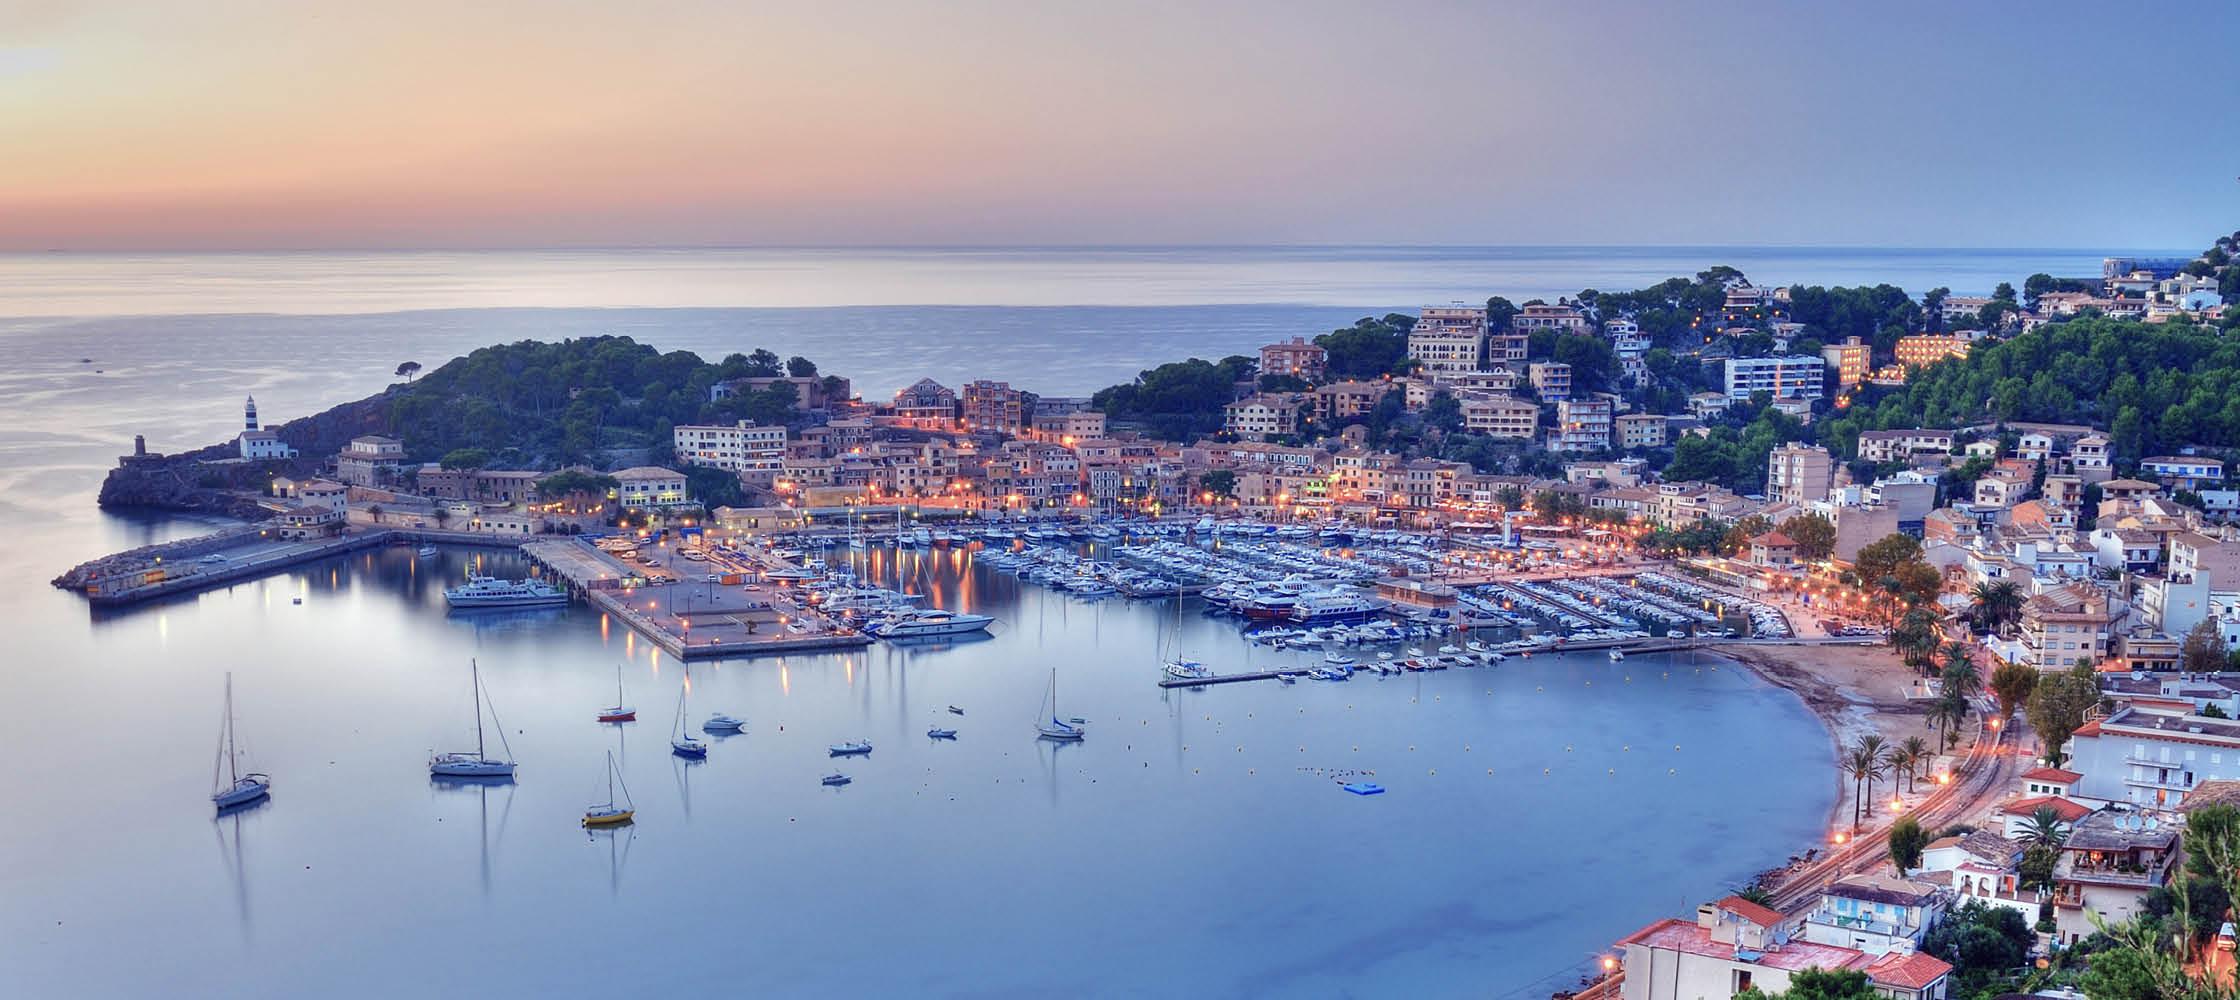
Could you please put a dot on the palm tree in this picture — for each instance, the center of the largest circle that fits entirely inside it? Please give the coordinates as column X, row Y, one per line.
column 1857, row 764
column 1960, row 676
column 1917, row 753
column 1901, row 764
column 2045, row 829
column 1870, row 760
column 1997, row 603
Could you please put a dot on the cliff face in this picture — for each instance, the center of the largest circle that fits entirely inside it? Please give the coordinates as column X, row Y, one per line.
column 214, row 479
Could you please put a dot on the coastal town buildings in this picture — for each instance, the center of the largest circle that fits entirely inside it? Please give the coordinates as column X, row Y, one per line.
column 1551, row 381
column 1923, row 349
column 1581, row 425
column 1799, row 474
column 987, row 405
column 1297, row 358
column 745, row 447
column 1264, row 416
column 650, row 486
column 1849, row 361
column 1449, row 340
column 1504, row 417
column 370, row 460
column 1735, row 945
column 1793, row 377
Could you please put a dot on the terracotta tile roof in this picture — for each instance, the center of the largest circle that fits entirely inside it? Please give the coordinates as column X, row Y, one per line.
column 1909, row 972
column 1774, row 540
column 2088, row 729
column 1685, row 937
column 2069, row 811
column 1763, row 916
column 2052, row 774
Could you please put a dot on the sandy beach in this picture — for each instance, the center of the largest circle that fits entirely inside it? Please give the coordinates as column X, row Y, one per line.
column 1854, row 690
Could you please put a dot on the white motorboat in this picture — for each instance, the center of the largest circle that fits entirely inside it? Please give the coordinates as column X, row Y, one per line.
column 492, row 592
column 911, row 624
column 852, row 748
column 230, row 786
column 721, row 723
column 426, row 552
column 1616, row 655
column 478, row 764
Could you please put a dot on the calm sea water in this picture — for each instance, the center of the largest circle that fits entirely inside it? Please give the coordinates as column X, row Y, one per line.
column 1181, row 851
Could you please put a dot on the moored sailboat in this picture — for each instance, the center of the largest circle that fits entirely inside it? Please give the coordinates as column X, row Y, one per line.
column 611, row 812
column 478, row 764
column 682, row 743
column 619, row 711
column 230, row 786
column 1047, row 723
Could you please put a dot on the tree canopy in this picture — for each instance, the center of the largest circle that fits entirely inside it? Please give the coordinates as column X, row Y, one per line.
column 538, row 402
column 1179, row 400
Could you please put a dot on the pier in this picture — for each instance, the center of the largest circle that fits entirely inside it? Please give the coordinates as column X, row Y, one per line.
column 692, row 617
column 194, row 564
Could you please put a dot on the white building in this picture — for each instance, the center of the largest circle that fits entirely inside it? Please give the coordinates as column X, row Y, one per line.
column 650, row 486
column 256, row 442
column 1449, row 340
column 2152, row 757
column 1581, row 425
column 1874, row 913
column 744, row 448
column 1793, row 377
column 1501, row 417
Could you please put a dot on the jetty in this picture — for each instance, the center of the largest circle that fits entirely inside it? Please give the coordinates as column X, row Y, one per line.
column 678, row 608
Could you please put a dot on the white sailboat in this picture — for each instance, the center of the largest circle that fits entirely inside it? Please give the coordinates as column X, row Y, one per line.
column 620, row 711
column 1181, row 668
column 611, row 812
column 682, row 743
column 1047, row 722
column 478, row 764
column 229, row 786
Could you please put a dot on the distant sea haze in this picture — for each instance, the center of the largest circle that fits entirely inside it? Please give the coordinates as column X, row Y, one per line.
column 325, row 282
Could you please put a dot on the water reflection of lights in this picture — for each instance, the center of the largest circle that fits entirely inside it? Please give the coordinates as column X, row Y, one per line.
column 785, row 679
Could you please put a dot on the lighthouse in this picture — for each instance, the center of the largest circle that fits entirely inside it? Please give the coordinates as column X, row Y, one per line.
column 249, row 415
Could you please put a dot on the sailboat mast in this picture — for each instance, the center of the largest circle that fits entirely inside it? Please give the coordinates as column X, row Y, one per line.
column 476, row 668
column 233, row 755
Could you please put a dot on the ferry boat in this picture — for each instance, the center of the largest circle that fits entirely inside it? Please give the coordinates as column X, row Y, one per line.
column 929, row 622
column 492, row 592
column 1315, row 609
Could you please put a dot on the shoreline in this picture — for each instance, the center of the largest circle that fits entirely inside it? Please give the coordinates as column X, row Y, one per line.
column 1858, row 690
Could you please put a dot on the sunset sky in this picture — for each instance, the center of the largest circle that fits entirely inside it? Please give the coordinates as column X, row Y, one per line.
column 244, row 124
